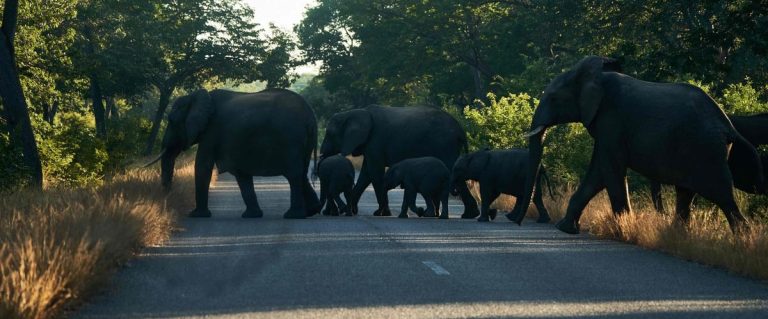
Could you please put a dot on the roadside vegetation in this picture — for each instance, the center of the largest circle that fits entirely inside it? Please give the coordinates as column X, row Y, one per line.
column 60, row 245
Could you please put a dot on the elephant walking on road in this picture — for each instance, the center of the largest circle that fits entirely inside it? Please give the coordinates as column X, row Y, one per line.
column 499, row 172
column 672, row 133
column 387, row 135
column 337, row 176
column 427, row 176
column 269, row 133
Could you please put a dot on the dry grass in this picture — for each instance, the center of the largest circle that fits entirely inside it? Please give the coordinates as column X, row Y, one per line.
column 59, row 245
column 705, row 239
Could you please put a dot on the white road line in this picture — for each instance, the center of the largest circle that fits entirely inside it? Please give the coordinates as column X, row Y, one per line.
column 436, row 268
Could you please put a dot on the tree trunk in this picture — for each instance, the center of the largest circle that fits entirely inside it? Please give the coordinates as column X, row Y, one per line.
column 16, row 112
column 97, row 101
column 49, row 111
column 477, row 79
column 165, row 97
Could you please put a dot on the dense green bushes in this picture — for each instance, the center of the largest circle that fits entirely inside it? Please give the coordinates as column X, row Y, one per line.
column 71, row 152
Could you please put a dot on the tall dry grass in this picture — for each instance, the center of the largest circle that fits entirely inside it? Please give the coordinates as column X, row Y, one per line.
column 705, row 239
column 59, row 245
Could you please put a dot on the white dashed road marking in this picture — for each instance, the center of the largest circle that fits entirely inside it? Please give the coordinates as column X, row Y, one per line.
column 436, row 268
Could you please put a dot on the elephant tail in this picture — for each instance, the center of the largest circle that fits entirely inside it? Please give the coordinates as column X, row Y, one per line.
column 746, row 167
column 544, row 175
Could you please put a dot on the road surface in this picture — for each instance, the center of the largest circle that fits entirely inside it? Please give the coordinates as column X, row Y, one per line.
column 380, row 267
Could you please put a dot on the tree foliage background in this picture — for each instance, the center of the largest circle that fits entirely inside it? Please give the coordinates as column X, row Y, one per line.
column 452, row 54
column 98, row 76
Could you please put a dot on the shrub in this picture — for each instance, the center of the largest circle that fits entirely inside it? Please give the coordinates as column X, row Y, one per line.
column 501, row 124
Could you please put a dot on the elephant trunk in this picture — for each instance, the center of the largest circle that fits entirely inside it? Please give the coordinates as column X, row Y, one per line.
column 535, row 151
column 167, row 163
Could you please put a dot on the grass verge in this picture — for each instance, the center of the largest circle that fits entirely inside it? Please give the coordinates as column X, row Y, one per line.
column 706, row 239
column 59, row 245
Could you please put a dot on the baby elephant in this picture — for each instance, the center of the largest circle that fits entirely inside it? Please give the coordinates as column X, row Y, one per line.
column 499, row 172
column 337, row 175
column 427, row 176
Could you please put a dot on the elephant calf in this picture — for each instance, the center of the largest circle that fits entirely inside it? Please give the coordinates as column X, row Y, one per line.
column 427, row 176
column 337, row 175
column 499, row 172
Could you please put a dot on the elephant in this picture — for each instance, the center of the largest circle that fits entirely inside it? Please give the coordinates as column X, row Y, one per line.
column 387, row 135
column 268, row 133
column 672, row 133
column 499, row 172
column 754, row 128
column 427, row 176
column 337, row 176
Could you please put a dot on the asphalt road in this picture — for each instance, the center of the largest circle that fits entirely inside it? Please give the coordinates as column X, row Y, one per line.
column 380, row 267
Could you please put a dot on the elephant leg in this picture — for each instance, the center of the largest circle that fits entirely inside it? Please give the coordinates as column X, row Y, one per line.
column 203, row 171
column 589, row 187
column 357, row 191
column 348, row 208
column 252, row 209
column 487, row 197
column 684, row 199
column 431, row 209
column 409, row 200
column 719, row 190
column 311, row 202
column 340, row 203
column 444, row 200
column 614, row 175
column 333, row 210
column 656, row 197
column 324, row 197
column 377, row 177
column 539, row 202
column 297, row 209
column 470, row 204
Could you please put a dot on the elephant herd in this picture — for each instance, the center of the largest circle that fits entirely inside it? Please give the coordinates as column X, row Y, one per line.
column 671, row 133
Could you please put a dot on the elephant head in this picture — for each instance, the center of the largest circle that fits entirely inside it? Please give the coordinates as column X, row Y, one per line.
column 187, row 120
column 468, row 167
column 347, row 133
column 573, row 96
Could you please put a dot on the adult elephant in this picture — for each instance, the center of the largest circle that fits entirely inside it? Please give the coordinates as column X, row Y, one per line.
column 754, row 128
column 269, row 133
column 387, row 135
column 672, row 133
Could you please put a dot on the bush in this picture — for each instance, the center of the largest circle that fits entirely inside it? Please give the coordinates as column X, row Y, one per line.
column 70, row 151
column 501, row 124
column 126, row 139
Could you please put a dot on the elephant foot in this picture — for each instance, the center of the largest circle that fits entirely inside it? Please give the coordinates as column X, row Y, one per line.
column 483, row 219
column 200, row 213
column 420, row 211
column 543, row 218
column 443, row 216
column 382, row 212
column 326, row 211
column 403, row 215
column 492, row 213
column 315, row 210
column 568, row 226
column 512, row 216
column 470, row 213
column 295, row 214
column 252, row 213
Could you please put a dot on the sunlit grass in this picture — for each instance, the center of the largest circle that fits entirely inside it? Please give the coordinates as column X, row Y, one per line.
column 59, row 245
column 706, row 238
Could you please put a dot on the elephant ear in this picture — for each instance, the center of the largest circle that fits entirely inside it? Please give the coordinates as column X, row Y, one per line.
column 590, row 71
column 200, row 112
column 357, row 128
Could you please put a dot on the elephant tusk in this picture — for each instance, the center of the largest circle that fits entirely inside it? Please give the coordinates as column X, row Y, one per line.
column 534, row 132
column 155, row 160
